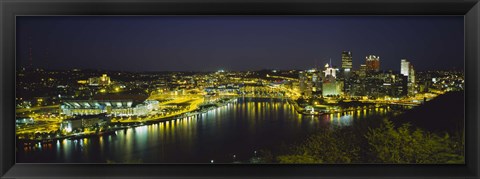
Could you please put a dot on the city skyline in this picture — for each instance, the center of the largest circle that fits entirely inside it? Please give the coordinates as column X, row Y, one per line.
column 240, row 89
column 231, row 47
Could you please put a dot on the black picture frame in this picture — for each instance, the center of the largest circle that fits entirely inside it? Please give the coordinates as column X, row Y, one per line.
column 11, row 8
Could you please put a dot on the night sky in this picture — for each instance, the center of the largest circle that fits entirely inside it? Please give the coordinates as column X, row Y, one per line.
column 210, row 43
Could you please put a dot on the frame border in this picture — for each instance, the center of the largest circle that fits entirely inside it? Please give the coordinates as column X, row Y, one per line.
column 11, row 8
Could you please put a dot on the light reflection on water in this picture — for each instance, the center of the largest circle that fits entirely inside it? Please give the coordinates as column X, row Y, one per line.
column 238, row 128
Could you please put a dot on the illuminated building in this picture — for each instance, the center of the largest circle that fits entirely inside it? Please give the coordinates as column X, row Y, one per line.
column 329, row 71
column 373, row 63
column 104, row 80
column 363, row 70
column 331, row 87
column 305, row 84
column 83, row 122
column 404, row 67
column 316, row 80
column 114, row 107
column 411, row 81
column 347, row 60
column 122, row 105
column 310, row 82
column 403, row 87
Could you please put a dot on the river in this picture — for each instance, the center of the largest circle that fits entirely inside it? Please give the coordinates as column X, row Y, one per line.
column 239, row 129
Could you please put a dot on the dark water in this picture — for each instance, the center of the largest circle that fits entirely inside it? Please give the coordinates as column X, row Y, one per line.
column 239, row 128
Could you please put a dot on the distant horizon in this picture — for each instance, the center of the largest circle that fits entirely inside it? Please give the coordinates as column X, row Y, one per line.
column 226, row 70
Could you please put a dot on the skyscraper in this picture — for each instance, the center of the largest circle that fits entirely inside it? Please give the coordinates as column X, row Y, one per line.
column 347, row 60
column 404, row 67
column 373, row 63
column 306, row 83
column 412, row 85
column 363, row 70
column 411, row 74
column 407, row 70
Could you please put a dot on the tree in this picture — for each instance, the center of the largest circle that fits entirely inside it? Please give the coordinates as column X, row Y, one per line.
column 297, row 159
column 327, row 146
column 404, row 145
column 376, row 141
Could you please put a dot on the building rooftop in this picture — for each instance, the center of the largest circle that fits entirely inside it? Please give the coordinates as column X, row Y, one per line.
column 118, row 100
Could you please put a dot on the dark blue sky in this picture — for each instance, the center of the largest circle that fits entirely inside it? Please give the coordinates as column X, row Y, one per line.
column 209, row 43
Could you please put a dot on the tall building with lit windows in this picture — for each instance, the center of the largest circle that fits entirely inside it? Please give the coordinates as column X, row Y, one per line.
column 373, row 63
column 404, row 67
column 411, row 81
column 407, row 70
column 346, row 61
column 362, row 71
column 306, row 83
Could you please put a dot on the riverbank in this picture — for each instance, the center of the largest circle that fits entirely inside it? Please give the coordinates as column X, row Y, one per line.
column 365, row 106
